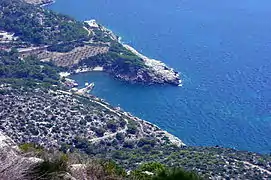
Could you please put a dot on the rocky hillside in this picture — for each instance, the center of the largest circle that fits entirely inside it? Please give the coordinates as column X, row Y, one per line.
column 28, row 161
column 67, row 122
column 53, row 118
column 39, row 2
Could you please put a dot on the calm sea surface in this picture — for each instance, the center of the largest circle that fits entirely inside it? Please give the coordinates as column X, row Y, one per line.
column 221, row 48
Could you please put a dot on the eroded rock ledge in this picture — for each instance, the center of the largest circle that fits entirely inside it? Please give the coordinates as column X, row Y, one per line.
column 159, row 71
column 39, row 2
column 13, row 164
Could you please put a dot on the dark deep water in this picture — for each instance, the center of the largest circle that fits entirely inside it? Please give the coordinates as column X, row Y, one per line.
column 221, row 48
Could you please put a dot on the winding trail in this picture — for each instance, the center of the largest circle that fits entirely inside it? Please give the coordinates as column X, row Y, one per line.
column 257, row 167
column 89, row 32
column 107, row 136
column 254, row 166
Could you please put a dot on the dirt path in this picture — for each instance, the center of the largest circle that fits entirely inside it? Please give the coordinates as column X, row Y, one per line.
column 256, row 166
column 107, row 136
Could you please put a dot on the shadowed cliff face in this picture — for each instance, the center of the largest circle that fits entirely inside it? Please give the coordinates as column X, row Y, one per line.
column 13, row 165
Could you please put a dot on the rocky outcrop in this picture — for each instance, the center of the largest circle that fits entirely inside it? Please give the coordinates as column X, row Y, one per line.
column 158, row 72
column 144, row 76
column 39, row 2
column 16, row 166
column 153, row 72
column 13, row 165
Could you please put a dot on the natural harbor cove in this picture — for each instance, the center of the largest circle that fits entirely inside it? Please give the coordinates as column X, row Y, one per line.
column 225, row 99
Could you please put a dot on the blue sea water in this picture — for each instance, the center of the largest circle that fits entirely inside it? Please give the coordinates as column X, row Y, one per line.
column 221, row 48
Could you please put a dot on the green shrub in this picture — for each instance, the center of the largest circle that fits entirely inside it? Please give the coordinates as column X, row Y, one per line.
column 30, row 147
column 51, row 168
column 120, row 136
column 176, row 174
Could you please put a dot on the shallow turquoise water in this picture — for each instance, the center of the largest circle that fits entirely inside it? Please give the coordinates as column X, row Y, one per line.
column 221, row 48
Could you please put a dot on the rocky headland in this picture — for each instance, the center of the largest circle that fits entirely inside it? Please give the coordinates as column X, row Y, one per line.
column 159, row 72
column 151, row 71
column 40, row 2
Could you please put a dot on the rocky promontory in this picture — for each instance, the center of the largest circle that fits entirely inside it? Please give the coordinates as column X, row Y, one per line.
column 39, row 2
column 159, row 72
column 124, row 62
column 146, row 76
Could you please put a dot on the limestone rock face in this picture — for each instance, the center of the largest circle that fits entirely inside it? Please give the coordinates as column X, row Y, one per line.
column 39, row 2
column 146, row 76
column 12, row 164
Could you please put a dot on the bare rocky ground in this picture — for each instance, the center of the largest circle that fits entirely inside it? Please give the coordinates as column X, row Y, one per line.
column 13, row 164
column 39, row 2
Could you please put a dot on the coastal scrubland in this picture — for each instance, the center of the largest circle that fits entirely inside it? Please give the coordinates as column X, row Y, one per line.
column 61, row 121
column 62, row 134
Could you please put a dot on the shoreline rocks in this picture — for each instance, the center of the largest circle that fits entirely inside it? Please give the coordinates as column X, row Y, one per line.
column 159, row 72
column 155, row 72
column 40, row 2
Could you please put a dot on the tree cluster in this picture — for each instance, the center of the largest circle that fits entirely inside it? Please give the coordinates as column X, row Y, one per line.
column 37, row 25
column 29, row 71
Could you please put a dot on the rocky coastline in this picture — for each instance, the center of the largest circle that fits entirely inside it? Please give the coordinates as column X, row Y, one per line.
column 159, row 72
column 40, row 2
column 156, row 72
column 153, row 72
column 35, row 107
column 144, row 76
